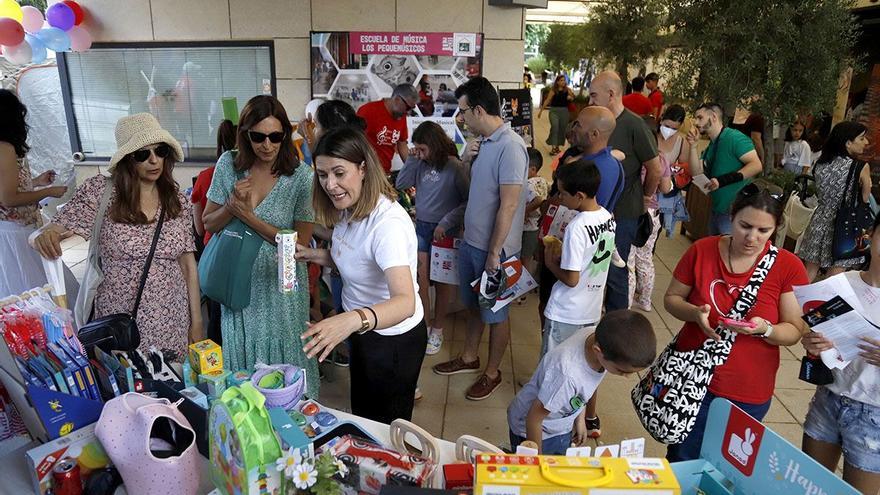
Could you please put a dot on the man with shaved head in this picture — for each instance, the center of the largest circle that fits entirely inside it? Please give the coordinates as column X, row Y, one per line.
column 632, row 137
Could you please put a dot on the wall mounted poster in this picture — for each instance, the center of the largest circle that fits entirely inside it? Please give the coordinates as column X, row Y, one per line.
column 516, row 108
column 359, row 67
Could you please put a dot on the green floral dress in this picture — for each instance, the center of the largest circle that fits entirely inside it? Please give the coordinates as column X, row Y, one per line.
column 269, row 329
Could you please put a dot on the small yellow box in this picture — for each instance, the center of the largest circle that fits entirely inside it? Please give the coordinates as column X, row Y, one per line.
column 205, row 356
column 501, row 474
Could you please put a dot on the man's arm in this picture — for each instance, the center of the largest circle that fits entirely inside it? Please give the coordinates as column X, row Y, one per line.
column 503, row 219
column 758, row 141
column 402, row 150
column 653, row 171
column 751, row 164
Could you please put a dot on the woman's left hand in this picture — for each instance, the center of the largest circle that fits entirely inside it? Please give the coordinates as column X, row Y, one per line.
column 45, row 179
column 870, row 351
column 328, row 333
column 760, row 327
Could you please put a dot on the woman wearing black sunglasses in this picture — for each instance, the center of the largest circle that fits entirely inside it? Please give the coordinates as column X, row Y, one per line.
column 142, row 190
column 705, row 284
column 264, row 185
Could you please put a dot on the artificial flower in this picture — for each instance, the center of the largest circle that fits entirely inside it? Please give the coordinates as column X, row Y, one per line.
column 289, row 461
column 305, row 476
column 341, row 468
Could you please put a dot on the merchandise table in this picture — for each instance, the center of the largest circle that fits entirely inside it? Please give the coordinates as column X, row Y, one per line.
column 15, row 474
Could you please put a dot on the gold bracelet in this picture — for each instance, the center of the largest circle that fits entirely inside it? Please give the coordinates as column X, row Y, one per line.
column 365, row 322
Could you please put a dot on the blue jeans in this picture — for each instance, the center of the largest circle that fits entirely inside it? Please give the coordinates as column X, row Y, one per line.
column 425, row 235
column 471, row 264
column 690, row 448
column 549, row 446
column 853, row 425
column 557, row 332
column 617, row 293
column 720, row 224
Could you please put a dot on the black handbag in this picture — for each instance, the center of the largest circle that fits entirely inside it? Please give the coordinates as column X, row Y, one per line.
column 119, row 331
column 644, row 230
column 855, row 220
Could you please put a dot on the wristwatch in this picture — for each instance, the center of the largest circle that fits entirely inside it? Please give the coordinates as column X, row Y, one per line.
column 769, row 331
column 365, row 322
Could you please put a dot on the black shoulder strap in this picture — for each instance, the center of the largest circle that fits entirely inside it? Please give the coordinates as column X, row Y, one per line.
column 146, row 271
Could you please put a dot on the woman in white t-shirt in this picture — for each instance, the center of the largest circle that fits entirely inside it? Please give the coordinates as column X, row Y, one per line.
column 375, row 250
column 845, row 415
column 796, row 155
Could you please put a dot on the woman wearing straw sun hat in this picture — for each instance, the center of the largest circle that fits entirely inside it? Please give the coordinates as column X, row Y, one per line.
column 142, row 198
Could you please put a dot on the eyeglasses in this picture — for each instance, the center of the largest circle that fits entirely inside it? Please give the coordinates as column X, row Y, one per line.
column 461, row 111
column 259, row 137
column 752, row 189
column 409, row 108
column 161, row 151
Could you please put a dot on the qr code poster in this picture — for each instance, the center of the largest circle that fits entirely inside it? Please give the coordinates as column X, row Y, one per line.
column 444, row 260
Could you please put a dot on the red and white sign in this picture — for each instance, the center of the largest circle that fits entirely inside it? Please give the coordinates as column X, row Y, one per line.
column 391, row 43
column 742, row 441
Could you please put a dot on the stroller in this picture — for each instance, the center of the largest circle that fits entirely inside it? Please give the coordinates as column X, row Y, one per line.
column 797, row 214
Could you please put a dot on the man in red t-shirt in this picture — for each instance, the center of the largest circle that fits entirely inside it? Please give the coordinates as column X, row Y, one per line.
column 636, row 102
column 655, row 95
column 386, row 123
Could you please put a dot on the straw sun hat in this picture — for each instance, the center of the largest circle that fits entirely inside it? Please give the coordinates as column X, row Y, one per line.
column 133, row 132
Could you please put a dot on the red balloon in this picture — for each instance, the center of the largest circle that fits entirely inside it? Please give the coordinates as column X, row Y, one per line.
column 77, row 11
column 11, row 32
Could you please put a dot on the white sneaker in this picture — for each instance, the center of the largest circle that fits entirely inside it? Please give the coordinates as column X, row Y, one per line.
column 616, row 260
column 435, row 341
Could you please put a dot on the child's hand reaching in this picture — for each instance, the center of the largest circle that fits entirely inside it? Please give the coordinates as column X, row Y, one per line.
column 579, row 434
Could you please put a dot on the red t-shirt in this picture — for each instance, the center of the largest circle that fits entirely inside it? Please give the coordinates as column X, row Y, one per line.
column 383, row 131
column 656, row 98
column 200, row 192
column 638, row 104
column 749, row 375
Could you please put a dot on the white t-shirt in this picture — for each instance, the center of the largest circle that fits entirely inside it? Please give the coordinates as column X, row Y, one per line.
column 859, row 380
column 796, row 155
column 586, row 248
column 563, row 382
column 363, row 250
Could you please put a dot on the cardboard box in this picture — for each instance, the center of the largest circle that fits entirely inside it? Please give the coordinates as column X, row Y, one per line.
column 286, row 245
column 372, row 466
column 205, row 356
column 498, row 474
column 216, row 382
column 82, row 445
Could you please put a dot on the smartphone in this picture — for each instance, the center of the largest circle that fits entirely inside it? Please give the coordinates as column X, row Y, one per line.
column 737, row 323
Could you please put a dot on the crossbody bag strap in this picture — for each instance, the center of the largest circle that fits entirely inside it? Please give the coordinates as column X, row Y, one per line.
column 149, row 262
column 749, row 295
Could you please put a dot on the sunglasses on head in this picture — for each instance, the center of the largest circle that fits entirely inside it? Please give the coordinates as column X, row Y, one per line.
column 259, row 137
column 752, row 189
column 161, row 151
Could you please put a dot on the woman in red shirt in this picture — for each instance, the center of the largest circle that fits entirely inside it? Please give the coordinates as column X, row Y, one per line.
column 705, row 285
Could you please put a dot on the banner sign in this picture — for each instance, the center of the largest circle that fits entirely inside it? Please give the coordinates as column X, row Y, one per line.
column 516, row 108
column 446, row 44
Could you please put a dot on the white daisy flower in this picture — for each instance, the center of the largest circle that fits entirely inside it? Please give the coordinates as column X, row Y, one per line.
column 305, row 476
column 341, row 468
column 289, row 461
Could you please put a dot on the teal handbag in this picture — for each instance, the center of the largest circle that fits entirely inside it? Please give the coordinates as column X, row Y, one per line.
column 226, row 266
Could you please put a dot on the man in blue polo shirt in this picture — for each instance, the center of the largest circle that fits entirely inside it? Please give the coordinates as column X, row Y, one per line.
column 590, row 133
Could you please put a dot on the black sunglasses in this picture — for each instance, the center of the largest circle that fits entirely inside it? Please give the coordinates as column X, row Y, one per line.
column 161, row 151
column 751, row 189
column 259, row 137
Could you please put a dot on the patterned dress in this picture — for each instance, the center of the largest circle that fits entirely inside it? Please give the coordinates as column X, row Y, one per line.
column 269, row 329
column 163, row 317
column 816, row 246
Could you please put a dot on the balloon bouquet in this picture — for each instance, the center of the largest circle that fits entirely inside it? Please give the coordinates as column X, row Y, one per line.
column 25, row 34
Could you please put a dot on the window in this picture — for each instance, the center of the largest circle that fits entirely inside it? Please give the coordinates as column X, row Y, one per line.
column 184, row 85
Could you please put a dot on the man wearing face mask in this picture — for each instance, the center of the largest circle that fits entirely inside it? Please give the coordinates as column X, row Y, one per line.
column 730, row 161
column 386, row 123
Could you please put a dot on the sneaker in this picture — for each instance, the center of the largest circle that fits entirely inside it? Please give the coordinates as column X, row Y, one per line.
column 616, row 260
column 418, row 395
column 594, row 430
column 457, row 366
column 646, row 307
column 483, row 387
column 435, row 341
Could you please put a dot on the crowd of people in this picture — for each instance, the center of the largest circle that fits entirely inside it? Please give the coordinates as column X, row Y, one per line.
column 603, row 206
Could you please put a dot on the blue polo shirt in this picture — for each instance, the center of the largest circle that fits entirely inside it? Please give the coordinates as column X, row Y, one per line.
column 612, row 177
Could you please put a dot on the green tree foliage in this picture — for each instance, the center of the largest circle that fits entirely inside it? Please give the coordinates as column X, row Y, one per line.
column 536, row 34
column 782, row 58
column 537, row 65
column 627, row 32
column 567, row 44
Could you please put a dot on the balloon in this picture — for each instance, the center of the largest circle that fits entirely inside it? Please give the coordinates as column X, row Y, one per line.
column 80, row 39
column 19, row 54
column 38, row 49
column 32, row 19
column 11, row 32
column 11, row 9
column 60, row 16
column 54, row 39
column 77, row 11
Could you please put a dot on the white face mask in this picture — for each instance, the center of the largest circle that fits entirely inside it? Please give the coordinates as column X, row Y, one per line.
column 667, row 132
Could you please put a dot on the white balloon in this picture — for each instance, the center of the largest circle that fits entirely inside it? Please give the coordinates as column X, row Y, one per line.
column 312, row 107
column 19, row 54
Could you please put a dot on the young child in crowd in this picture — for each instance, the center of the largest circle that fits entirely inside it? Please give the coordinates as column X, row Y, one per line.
column 796, row 155
column 581, row 268
column 550, row 409
column 539, row 188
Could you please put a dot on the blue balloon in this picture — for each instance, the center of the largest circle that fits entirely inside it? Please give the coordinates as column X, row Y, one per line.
column 54, row 39
column 38, row 49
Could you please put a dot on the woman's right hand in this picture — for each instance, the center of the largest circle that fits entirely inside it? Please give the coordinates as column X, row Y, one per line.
column 56, row 191
column 815, row 343
column 701, row 318
column 48, row 244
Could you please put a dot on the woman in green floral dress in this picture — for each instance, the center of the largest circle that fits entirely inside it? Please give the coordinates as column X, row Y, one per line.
column 264, row 184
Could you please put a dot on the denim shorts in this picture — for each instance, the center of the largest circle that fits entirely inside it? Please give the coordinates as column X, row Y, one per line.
column 853, row 425
column 557, row 445
column 425, row 235
column 471, row 263
column 556, row 332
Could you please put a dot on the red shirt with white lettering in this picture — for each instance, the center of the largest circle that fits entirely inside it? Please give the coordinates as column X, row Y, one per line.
column 383, row 131
column 749, row 375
